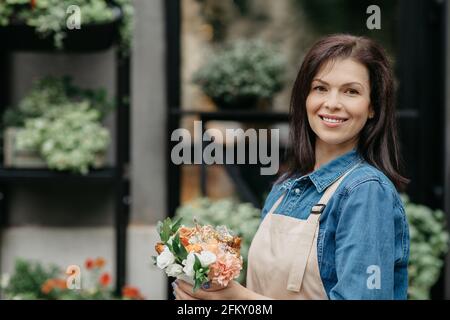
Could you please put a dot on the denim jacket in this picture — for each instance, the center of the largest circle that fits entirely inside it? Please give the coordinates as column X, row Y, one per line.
column 363, row 241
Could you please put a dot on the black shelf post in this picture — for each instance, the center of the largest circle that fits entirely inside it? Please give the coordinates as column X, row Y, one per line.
column 122, row 207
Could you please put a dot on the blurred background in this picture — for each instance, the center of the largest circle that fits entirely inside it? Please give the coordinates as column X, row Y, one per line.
column 87, row 116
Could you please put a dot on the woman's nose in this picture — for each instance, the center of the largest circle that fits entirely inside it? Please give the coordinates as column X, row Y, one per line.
column 333, row 102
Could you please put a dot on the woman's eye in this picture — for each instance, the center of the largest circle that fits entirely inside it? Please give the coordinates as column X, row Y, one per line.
column 319, row 88
column 352, row 91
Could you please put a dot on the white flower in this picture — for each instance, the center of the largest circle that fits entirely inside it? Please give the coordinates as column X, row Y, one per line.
column 189, row 264
column 165, row 259
column 206, row 258
column 174, row 270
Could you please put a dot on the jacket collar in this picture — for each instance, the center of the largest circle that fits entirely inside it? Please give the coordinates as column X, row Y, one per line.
column 323, row 177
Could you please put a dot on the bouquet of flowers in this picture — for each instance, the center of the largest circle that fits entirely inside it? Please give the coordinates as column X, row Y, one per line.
column 199, row 254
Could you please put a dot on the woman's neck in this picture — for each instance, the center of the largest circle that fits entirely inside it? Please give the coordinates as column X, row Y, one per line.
column 327, row 152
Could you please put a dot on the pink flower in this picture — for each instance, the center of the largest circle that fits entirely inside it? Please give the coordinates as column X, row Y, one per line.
column 226, row 268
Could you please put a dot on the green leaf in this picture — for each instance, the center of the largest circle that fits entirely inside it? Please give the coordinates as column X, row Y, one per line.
column 197, row 285
column 178, row 248
column 197, row 263
column 165, row 232
column 176, row 225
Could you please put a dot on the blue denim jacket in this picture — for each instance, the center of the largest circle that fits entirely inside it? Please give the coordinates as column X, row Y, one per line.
column 363, row 241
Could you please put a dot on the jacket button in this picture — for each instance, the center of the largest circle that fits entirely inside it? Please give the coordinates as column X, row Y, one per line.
column 297, row 191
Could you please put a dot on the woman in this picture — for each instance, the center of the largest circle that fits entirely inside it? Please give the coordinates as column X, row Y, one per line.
column 333, row 226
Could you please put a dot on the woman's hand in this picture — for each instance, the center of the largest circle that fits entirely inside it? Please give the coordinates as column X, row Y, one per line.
column 234, row 291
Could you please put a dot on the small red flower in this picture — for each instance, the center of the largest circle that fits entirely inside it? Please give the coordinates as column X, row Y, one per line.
column 105, row 279
column 89, row 264
column 130, row 292
column 33, row 3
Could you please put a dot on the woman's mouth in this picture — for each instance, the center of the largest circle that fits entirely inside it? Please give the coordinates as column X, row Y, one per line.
column 332, row 121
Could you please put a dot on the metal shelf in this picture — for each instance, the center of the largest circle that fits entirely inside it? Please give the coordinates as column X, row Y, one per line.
column 16, row 175
column 88, row 39
column 235, row 115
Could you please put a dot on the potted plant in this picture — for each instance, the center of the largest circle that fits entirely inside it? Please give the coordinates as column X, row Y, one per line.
column 429, row 245
column 43, row 24
column 57, row 125
column 243, row 75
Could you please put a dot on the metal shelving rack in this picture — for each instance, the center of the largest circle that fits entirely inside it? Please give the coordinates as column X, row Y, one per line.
column 118, row 175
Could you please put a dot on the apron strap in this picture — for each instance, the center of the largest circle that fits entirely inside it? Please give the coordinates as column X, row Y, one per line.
column 309, row 231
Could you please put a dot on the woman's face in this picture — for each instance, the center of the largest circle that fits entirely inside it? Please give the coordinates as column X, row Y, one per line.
column 338, row 104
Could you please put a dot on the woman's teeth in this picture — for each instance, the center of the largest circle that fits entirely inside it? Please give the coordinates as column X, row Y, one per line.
column 332, row 120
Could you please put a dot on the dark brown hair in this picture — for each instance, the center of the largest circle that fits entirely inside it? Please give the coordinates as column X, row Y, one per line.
column 378, row 141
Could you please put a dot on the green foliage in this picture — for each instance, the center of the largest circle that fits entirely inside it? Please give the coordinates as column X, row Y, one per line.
column 27, row 280
column 245, row 69
column 53, row 91
column 167, row 228
column 242, row 218
column 178, row 249
column 68, row 137
column 429, row 244
column 201, row 274
column 33, row 280
column 49, row 17
column 63, row 123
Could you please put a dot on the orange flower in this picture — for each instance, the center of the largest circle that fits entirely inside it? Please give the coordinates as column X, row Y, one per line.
column 159, row 247
column 185, row 232
column 132, row 293
column 184, row 241
column 51, row 284
column 89, row 264
column 105, row 279
column 194, row 247
column 99, row 263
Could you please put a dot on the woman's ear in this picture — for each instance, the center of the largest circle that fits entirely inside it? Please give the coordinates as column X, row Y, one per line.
column 371, row 112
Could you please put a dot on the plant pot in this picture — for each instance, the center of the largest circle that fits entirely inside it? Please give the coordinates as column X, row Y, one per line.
column 91, row 37
column 15, row 158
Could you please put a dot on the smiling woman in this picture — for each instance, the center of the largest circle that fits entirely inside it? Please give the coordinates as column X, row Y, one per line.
column 338, row 105
column 353, row 242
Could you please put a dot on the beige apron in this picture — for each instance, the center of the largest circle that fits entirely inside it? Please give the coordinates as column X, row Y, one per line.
column 282, row 259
